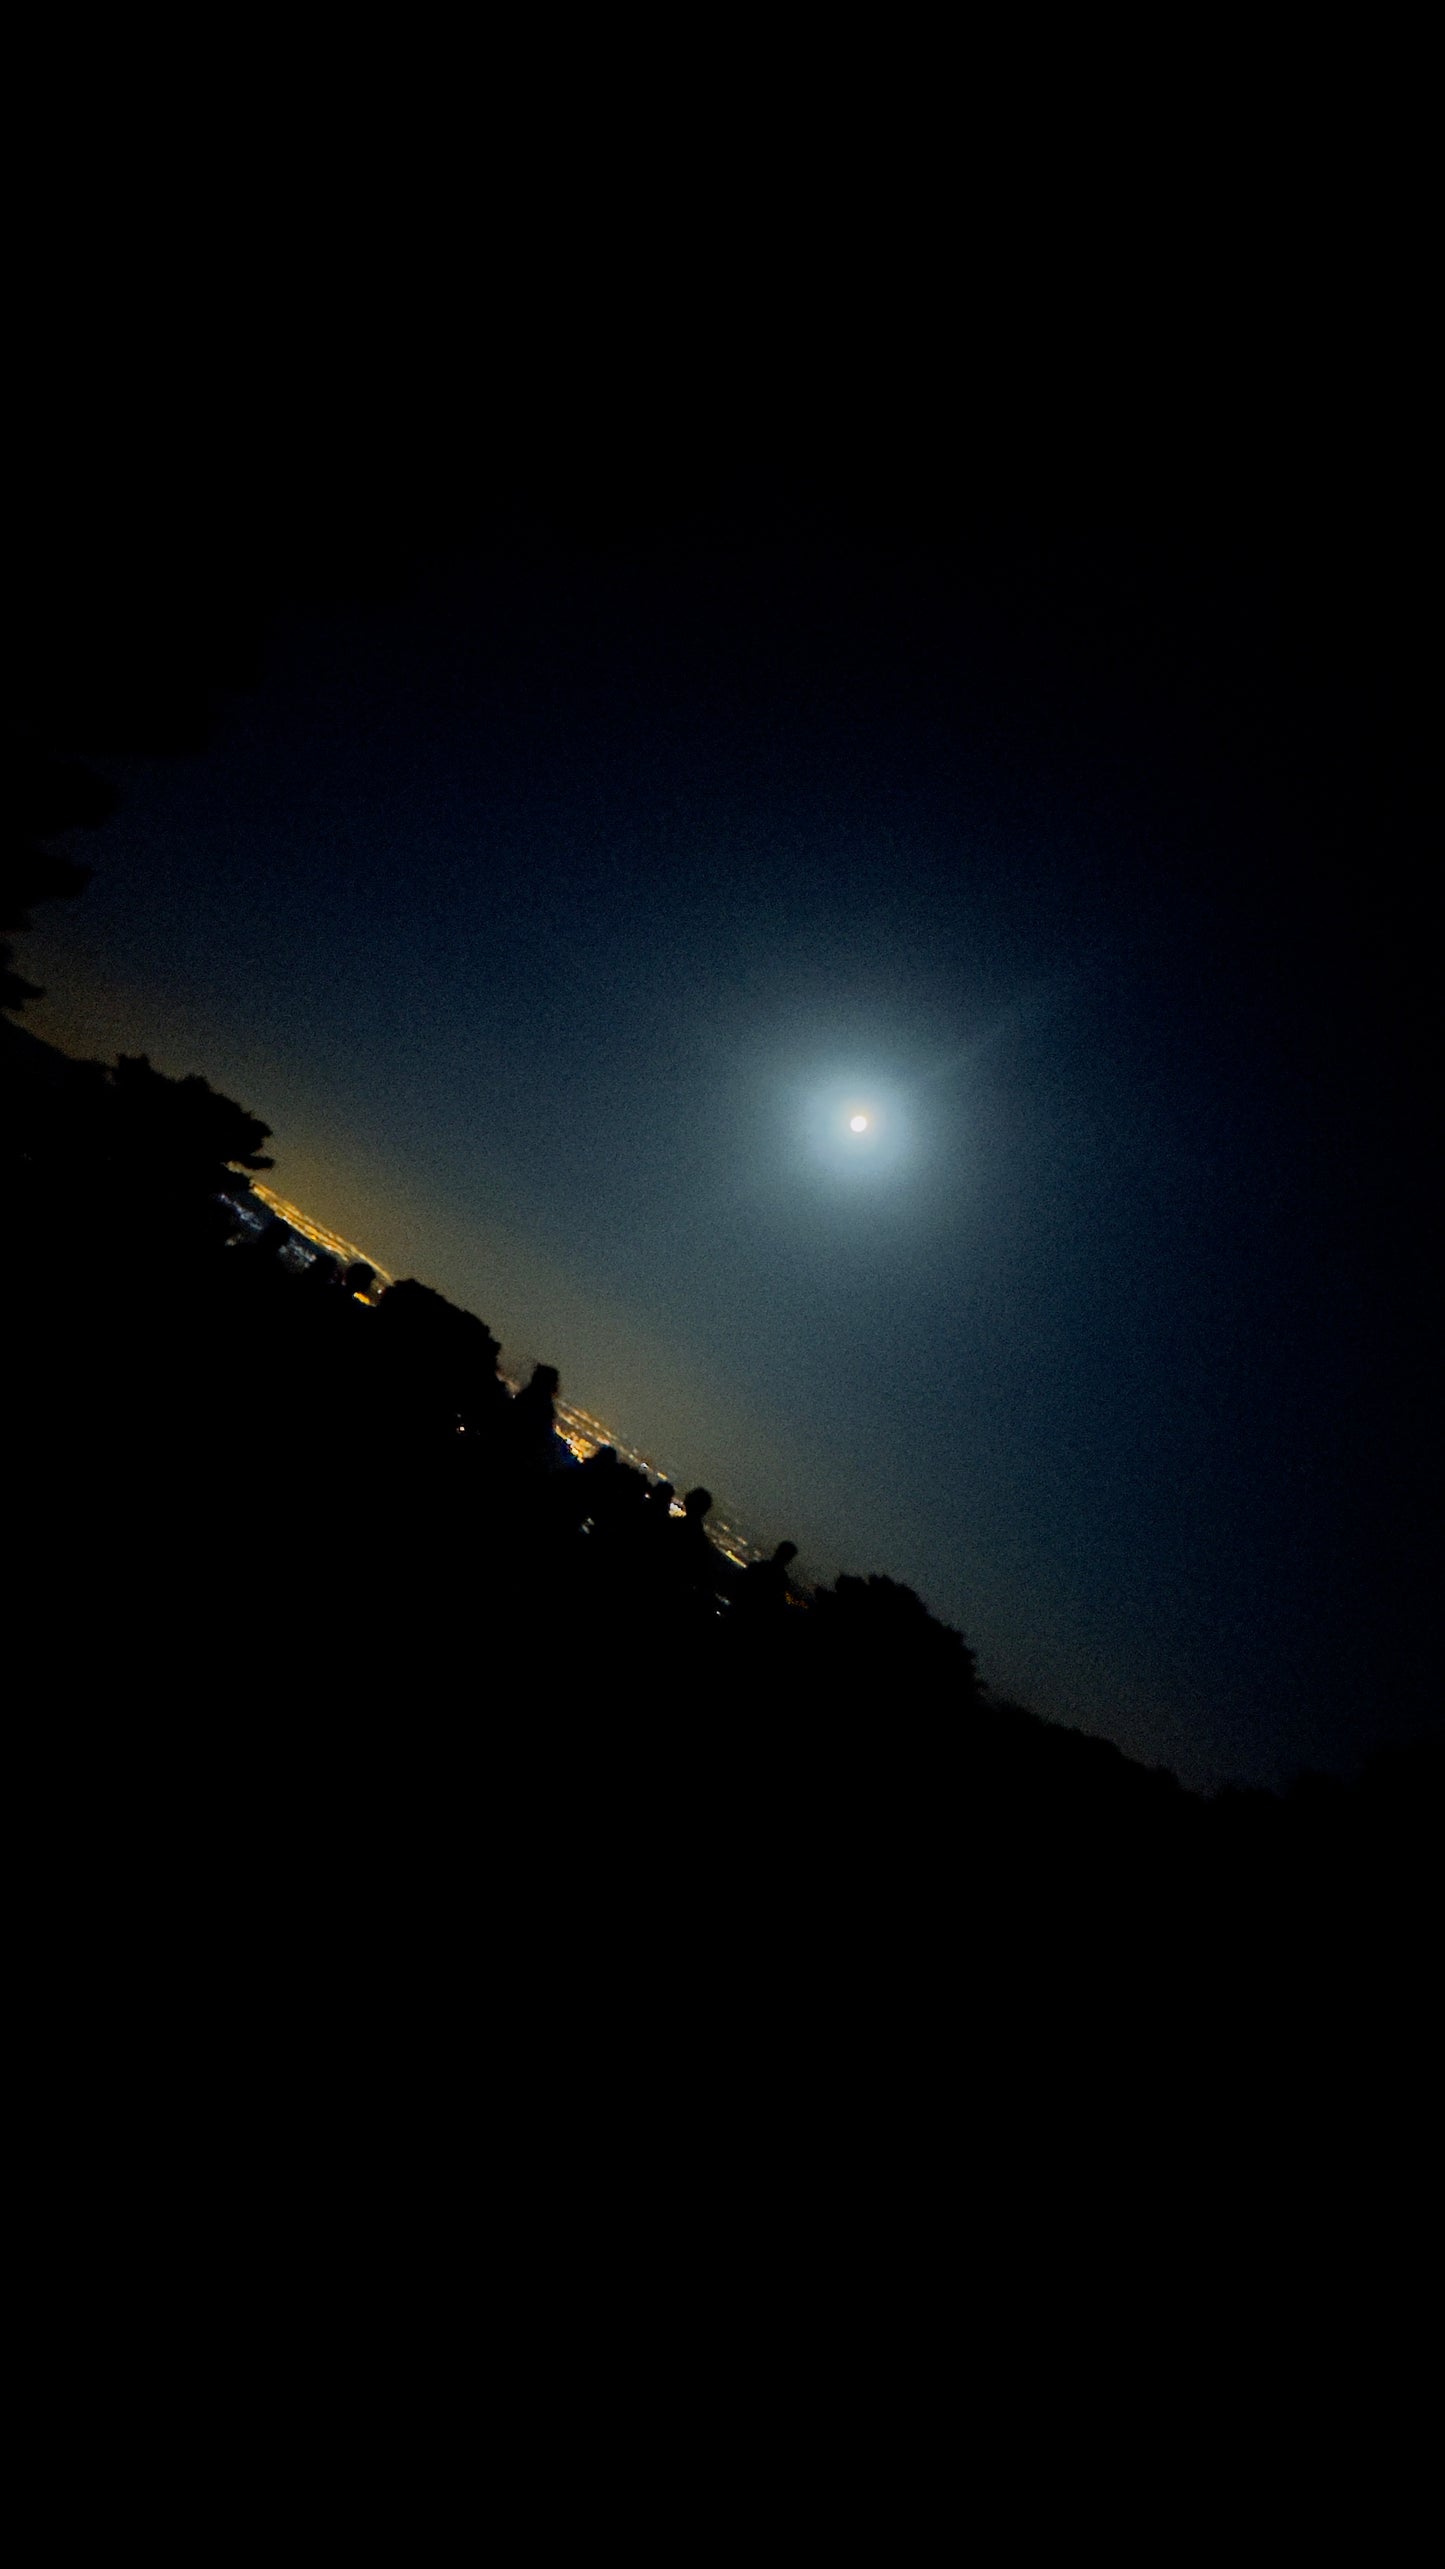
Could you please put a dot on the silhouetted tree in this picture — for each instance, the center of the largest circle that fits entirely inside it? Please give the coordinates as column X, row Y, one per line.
column 875, row 1636
column 763, row 1590
column 532, row 1422
column 182, row 1133
column 440, row 1356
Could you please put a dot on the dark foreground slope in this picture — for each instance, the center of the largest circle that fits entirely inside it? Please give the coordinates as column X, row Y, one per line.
column 306, row 1541
column 475, row 1955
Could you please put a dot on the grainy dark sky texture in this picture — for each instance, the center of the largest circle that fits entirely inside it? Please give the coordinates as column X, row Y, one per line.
column 553, row 907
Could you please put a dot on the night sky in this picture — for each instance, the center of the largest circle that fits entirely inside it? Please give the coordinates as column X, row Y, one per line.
column 557, row 903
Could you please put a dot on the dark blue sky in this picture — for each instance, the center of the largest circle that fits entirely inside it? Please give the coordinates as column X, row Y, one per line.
column 551, row 910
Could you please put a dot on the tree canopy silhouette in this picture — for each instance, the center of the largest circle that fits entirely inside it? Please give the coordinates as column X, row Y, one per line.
column 185, row 1131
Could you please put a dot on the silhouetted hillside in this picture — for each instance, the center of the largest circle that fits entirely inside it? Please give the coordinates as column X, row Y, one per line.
column 253, row 1497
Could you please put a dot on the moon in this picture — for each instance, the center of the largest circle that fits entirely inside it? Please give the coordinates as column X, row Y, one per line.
column 853, row 1122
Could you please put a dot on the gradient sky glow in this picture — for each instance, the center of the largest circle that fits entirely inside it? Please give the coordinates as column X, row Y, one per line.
column 563, row 915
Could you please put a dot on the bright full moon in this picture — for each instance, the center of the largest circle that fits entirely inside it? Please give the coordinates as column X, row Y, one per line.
column 853, row 1123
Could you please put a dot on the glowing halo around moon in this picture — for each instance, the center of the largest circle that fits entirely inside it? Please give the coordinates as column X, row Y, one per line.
column 855, row 1125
